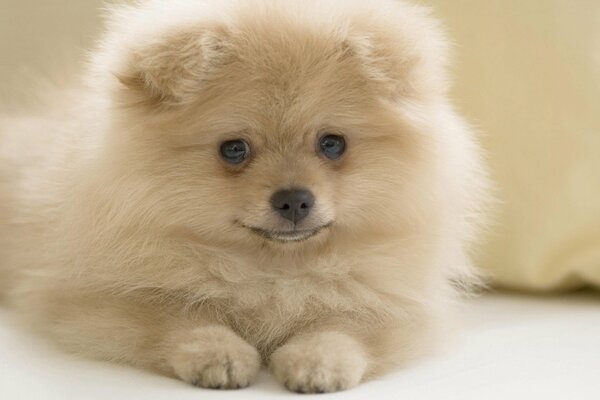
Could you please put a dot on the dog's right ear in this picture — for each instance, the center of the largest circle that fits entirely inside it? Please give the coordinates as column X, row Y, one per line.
column 173, row 67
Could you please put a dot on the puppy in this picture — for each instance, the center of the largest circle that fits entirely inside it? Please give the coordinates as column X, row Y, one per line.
column 246, row 182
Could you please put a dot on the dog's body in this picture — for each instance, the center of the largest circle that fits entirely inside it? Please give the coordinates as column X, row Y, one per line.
column 126, row 236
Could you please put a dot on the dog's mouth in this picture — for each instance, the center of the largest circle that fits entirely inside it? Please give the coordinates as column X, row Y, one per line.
column 288, row 236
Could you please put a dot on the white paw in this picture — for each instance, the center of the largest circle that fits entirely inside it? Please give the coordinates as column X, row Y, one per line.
column 320, row 363
column 215, row 357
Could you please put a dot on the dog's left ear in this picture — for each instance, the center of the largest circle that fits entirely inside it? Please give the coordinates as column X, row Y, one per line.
column 409, row 55
column 173, row 67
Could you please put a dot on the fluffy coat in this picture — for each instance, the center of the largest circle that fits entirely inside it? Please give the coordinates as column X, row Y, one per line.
column 123, row 235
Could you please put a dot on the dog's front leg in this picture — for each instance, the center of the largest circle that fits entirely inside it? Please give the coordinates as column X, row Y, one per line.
column 190, row 345
column 320, row 361
column 212, row 356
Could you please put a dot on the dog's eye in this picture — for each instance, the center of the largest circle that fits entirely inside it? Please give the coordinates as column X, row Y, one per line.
column 332, row 146
column 235, row 151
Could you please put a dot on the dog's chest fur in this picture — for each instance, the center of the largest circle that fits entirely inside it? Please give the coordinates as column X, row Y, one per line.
column 266, row 308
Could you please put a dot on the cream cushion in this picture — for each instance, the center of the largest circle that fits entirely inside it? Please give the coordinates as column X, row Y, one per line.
column 529, row 78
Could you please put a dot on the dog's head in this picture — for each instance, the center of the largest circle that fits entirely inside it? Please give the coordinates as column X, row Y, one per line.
column 273, row 121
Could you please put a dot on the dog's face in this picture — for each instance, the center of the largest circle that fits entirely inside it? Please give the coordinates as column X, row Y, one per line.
column 257, row 138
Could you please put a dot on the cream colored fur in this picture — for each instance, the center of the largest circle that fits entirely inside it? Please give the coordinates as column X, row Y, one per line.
column 122, row 231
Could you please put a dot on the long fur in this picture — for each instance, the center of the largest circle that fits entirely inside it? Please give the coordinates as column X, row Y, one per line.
column 122, row 232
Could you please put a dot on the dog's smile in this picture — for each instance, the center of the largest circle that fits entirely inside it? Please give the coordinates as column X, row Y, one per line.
column 288, row 236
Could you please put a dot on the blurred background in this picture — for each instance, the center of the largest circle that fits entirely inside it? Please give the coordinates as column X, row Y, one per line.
column 527, row 76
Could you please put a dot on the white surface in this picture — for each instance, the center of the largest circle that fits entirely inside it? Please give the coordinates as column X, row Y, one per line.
column 513, row 347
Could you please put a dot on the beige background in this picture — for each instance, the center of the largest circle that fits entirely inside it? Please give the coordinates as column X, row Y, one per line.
column 528, row 77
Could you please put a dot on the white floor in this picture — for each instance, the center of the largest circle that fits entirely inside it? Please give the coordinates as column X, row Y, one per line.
column 513, row 347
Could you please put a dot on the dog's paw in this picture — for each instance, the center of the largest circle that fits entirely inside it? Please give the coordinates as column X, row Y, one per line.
column 319, row 363
column 215, row 357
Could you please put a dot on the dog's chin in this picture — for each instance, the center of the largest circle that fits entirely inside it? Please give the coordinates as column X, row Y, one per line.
column 291, row 236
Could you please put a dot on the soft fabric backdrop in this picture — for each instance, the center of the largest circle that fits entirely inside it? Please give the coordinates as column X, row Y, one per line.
column 528, row 77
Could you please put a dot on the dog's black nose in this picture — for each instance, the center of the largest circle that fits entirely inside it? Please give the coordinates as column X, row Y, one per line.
column 293, row 204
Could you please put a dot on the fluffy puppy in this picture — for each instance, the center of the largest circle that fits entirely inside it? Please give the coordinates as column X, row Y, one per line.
column 243, row 182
